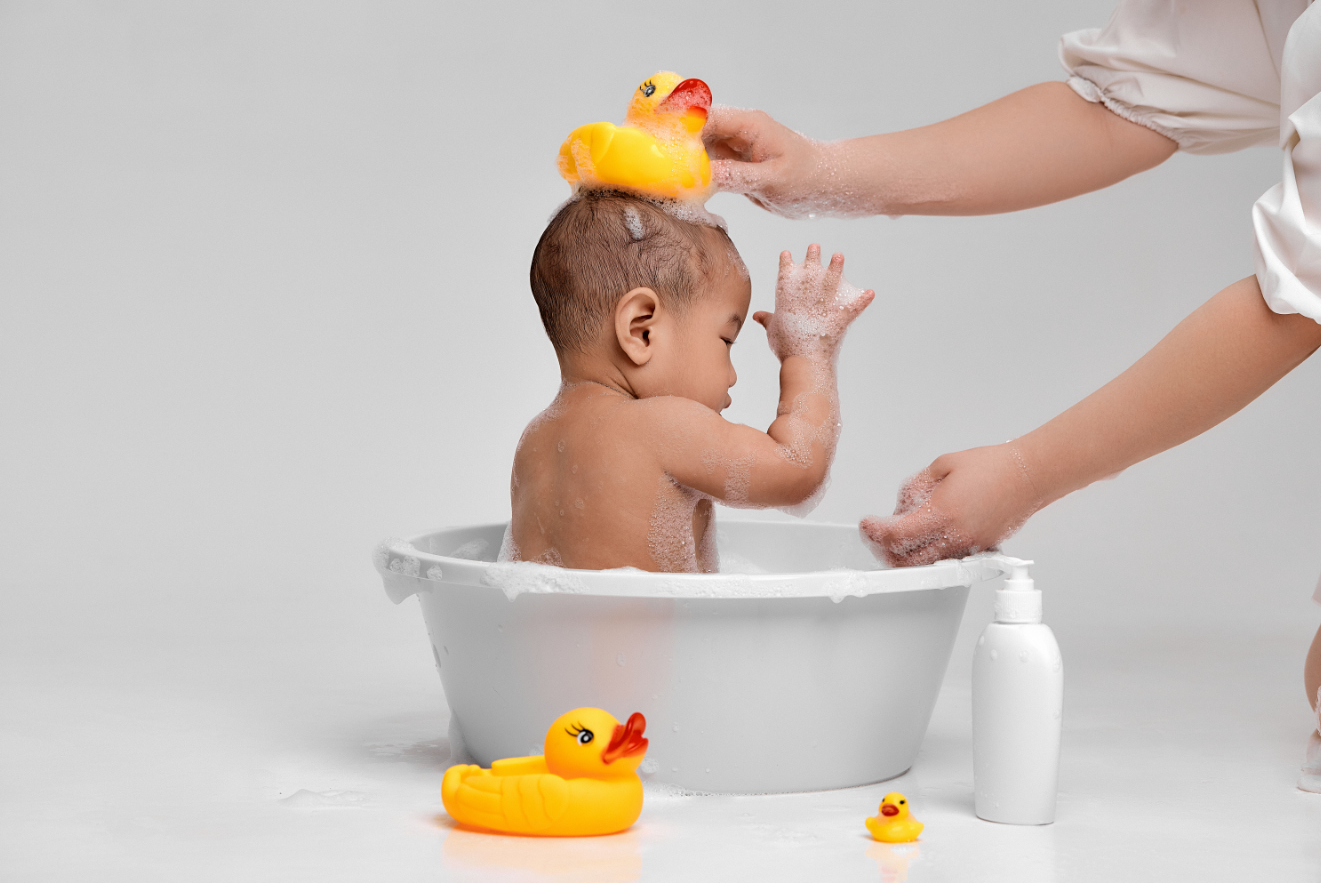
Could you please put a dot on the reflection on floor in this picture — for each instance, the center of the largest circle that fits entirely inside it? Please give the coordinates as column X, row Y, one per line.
column 202, row 760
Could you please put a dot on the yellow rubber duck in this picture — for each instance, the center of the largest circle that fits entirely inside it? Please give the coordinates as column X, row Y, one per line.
column 586, row 783
column 894, row 823
column 657, row 152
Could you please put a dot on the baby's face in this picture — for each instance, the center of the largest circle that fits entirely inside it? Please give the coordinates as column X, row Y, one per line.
column 702, row 370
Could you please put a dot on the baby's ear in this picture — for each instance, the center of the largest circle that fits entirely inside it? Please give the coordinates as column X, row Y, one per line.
column 635, row 319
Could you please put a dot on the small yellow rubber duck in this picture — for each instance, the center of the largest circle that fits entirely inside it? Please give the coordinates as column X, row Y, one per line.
column 657, row 152
column 894, row 824
column 586, row 783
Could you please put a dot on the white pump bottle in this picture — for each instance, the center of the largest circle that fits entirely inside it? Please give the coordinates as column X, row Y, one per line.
column 1017, row 699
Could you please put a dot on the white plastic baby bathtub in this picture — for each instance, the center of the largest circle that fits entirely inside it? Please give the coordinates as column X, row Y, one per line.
column 820, row 672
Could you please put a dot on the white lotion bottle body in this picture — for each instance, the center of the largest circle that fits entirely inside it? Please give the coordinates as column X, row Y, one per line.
column 1017, row 703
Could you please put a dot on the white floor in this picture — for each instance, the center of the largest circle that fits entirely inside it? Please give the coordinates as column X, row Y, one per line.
column 213, row 751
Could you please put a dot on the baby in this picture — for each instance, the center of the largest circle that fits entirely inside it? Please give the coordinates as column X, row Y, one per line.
column 643, row 308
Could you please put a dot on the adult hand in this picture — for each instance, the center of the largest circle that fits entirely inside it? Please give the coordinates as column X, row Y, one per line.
column 960, row 505
column 772, row 165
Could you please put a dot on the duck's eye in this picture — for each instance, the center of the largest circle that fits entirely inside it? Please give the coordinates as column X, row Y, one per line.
column 585, row 736
column 648, row 90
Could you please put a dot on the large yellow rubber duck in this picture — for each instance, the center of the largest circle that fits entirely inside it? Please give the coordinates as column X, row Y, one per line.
column 657, row 152
column 894, row 823
column 586, row 783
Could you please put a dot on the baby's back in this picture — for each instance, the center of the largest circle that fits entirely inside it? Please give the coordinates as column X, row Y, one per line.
column 588, row 490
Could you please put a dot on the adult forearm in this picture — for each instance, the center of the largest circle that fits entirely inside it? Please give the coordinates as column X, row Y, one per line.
column 1216, row 361
column 1036, row 146
column 1211, row 365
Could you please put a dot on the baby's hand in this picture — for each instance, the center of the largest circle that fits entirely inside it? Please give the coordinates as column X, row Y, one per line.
column 814, row 306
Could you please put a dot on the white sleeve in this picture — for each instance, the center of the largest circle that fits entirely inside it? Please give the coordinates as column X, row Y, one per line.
column 1204, row 74
column 1287, row 219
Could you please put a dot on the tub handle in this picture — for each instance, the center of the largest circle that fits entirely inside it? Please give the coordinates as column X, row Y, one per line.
column 399, row 570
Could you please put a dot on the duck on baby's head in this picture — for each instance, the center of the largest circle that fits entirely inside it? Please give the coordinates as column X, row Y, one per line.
column 591, row 743
column 666, row 99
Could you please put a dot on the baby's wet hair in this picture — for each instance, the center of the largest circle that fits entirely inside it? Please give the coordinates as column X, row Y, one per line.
column 602, row 244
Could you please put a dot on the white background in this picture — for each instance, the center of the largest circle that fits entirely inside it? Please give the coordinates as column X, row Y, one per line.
column 263, row 302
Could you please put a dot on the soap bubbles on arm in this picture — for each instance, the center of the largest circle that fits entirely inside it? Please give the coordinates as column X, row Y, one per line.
column 960, row 505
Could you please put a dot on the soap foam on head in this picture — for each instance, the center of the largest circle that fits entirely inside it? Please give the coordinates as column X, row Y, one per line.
column 633, row 221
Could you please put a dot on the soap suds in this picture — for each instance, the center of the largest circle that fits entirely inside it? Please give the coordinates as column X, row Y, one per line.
column 633, row 221
column 473, row 550
column 516, row 578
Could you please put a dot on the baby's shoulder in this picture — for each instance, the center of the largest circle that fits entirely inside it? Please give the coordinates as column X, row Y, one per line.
column 609, row 422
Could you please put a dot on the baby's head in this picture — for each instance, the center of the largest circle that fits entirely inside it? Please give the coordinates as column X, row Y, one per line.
column 615, row 275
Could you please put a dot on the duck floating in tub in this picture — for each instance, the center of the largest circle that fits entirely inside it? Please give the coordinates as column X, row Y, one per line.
column 894, row 823
column 658, row 151
column 585, row 784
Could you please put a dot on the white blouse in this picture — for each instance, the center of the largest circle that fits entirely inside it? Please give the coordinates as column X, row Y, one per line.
column 1216, row 76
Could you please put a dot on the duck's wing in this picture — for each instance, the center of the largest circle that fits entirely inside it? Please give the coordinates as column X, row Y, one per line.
column 583, row 149
column 524, row 804
column 519, row 766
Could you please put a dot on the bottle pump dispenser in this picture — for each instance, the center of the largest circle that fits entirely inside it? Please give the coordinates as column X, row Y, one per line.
column 1017, row 699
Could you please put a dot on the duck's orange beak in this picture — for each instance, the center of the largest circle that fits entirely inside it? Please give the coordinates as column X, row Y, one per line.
column 889, row 809
column 692, row 96
column 627, row 739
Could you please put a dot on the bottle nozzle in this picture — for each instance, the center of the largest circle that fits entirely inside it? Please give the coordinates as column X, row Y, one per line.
column 1019, row 601
column 1013, row 568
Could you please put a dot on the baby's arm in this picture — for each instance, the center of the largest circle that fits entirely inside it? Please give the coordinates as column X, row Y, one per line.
column 1223, row 356
column 787, row 463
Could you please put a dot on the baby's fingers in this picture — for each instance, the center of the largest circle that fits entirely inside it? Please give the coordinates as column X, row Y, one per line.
column 834, row 272
column 854, row 308
column 763, row 318
column 813, row 255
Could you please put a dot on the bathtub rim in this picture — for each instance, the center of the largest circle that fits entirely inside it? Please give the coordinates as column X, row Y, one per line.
column 406, row 570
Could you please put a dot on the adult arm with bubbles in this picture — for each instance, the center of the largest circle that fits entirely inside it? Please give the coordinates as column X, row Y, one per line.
column 1051, row 142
